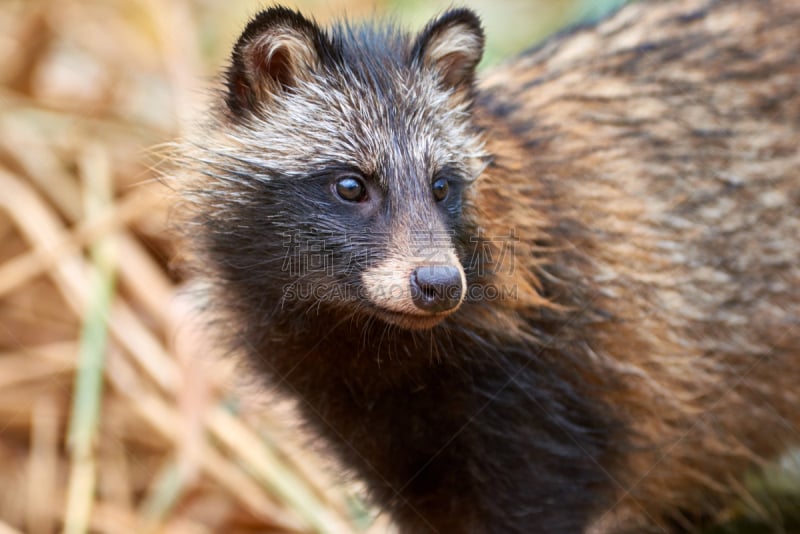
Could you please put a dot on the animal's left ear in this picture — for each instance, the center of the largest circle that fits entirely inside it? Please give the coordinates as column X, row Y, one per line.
column 453, row 45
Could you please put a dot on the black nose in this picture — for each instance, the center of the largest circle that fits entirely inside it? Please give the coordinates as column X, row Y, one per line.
column 436, row 288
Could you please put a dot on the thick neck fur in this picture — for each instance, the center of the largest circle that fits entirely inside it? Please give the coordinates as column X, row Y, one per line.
column 414, row 412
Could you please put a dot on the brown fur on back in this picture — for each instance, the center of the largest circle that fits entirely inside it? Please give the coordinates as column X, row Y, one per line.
column 664, row 149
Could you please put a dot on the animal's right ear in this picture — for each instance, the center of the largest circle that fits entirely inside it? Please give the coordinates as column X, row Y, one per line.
column 452, row 45
column 278, row 49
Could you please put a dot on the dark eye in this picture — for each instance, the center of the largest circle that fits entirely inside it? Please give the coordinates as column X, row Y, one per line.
column 440, row 189
column 351, row 189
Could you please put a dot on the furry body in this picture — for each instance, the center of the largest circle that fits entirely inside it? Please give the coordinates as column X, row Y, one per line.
column 632, row 186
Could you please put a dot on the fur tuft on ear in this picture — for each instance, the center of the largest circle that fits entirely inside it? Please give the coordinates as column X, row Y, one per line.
column 453, row 45
column 277, row 49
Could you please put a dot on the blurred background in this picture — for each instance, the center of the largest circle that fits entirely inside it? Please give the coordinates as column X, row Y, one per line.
column 115, row 416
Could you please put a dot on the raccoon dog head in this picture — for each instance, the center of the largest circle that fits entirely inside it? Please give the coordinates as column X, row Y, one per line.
column 340, row 172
